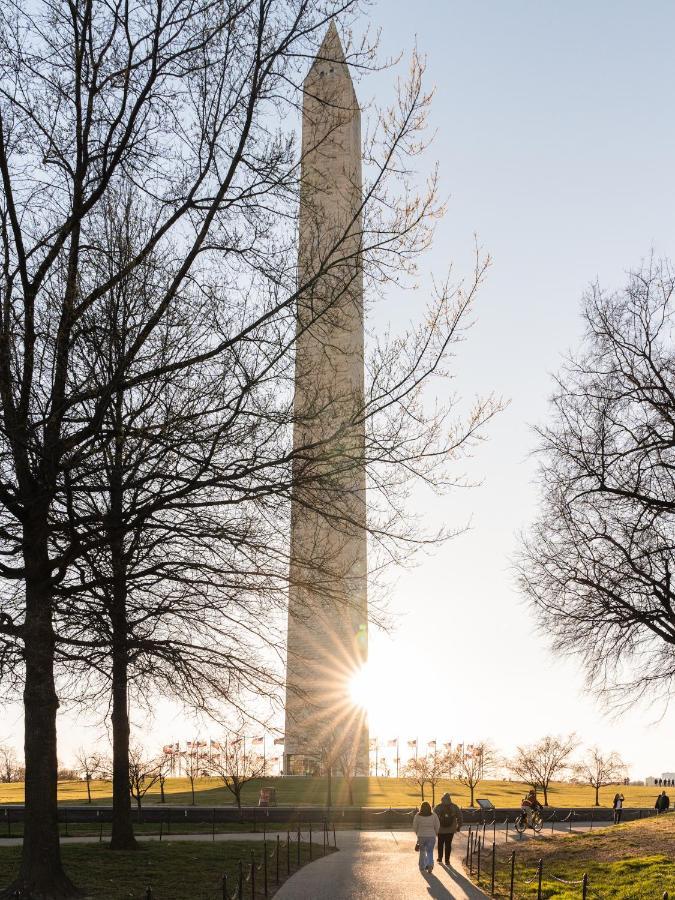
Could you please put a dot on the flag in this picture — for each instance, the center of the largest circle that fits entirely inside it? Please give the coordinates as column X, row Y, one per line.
column 189, row 745
column 431, row 743
column 448, row 745
column 412, row 743
column 393, row 742
column 168, row 748
column 236, row 740
column 258, row 741
column 278, row 741
column 215, row 745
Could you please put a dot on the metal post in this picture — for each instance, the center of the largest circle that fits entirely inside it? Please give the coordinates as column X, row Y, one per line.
column 310, row 841
column 161, row 828
column 570, row 818
column 278, row 854
column 334, row 841
column 473, row 847
column 252, row 875
column 584, row 886
column 492, row 880
column 540, row 871
column 288, row 853
column 325, row 829
column 506, row 838
column 298, row 846
column 225, row 896
column 480, row 845
column 513, row 873
column 265, row 866
column 468, row 841
column 213, row 824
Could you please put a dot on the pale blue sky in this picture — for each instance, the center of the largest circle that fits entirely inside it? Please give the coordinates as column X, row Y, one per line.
column 556, row 139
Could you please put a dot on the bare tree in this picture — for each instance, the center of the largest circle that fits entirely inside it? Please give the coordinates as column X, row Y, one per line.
column 189, row 105
column 540, row 763
column 236, row 766
column 90, row 765
column 10, row 769
column 196, row 762
column 598, row 563
column 472, row 764
column 599, row 770
column 426, row 770
column 143, row 775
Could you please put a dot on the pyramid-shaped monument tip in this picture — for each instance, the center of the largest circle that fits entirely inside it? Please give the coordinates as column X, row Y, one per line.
column 331, row 47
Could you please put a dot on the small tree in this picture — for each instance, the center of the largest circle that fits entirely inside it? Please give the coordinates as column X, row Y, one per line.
column 10, row 770
column 599, row 770
column 538, row 764
column 472, row 764
column 89, row 767
column 143, row 775
column 235, row 767
column 422, row 771
column 164, row 767
column 196, row 761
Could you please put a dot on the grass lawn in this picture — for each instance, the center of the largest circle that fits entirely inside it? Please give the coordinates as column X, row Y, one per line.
column 175, row 871
column 622, row 862
column 367, row 792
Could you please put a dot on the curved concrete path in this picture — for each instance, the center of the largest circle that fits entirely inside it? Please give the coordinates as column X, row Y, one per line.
column 379, row 865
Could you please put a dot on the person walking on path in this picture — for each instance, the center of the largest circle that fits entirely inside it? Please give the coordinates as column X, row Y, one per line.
column 450, row 818
column 617, row 806
column 426, row 826
column 662, row 802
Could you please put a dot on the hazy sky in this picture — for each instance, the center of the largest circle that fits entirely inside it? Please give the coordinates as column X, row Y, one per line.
column 556, row 140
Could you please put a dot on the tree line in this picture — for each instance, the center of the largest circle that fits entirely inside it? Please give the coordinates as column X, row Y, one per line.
column 149, row 308
column 536, row 765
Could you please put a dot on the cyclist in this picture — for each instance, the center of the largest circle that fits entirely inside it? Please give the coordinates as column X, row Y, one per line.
column 530, row 805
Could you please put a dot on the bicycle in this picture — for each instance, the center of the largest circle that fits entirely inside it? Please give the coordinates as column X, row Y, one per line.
column 537, row 822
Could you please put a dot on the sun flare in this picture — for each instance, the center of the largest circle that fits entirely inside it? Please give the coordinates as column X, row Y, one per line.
column 363, row 688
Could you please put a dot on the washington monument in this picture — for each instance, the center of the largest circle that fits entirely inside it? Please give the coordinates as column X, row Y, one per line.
column 328, row 609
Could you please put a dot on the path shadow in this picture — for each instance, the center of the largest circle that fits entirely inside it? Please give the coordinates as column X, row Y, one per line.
column 439, row 891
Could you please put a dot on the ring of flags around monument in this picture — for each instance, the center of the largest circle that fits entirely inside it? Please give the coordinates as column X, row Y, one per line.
column 185, row 753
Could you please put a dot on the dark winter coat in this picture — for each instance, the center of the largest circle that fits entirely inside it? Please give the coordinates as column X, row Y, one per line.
column 450, row 813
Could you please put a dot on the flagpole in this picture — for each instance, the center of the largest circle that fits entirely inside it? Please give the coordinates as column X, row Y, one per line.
column 397, row 757
column 377, row 754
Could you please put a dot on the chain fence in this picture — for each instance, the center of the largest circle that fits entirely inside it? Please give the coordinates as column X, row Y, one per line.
column 482, row 864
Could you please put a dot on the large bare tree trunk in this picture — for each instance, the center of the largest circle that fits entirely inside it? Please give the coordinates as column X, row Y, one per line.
column 41, row 875
column 122, row 837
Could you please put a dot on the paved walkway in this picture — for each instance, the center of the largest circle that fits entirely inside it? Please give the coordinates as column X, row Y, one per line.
column 379, row 865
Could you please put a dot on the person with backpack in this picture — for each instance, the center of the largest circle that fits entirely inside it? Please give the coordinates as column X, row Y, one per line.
column 450, row 819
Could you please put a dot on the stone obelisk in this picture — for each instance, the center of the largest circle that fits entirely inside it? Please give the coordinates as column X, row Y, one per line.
column 328, row 612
